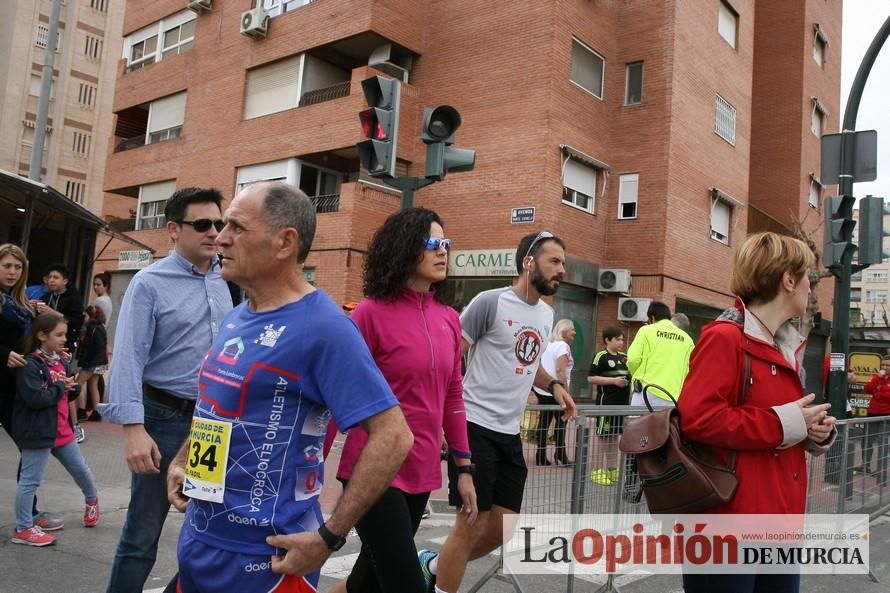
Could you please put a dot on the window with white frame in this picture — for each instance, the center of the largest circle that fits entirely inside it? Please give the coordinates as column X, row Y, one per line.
column 178, row 39
column 724, row 123
column 285, row 170
column 876, row 276
column 875, row 296
column 633, row 84
column 588, row 68
column 165, row 117
column 313, row 180
column 876, row 317
column 276, row 7
column 817, row 120
column 273, row 87
column 856, row 276
column 727, row 22
column 43, row 36
column 855, row 295
column 721, row 215
column 815, row 193
column 162, row 39
column 579, row 185
column 820, row 45
column 100, row 5
column 628, row 192
column 152, row 198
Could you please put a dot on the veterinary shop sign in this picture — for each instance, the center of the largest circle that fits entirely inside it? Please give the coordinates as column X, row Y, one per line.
column 482, row 262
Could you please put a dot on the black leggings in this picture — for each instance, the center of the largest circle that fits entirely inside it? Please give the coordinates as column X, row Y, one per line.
column 387, row 562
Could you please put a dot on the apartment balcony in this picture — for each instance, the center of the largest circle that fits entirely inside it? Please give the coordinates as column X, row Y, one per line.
column 352, row 215
column 328, row 93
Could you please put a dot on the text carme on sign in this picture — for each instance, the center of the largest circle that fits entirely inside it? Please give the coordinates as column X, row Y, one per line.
column 482, row 262
column 691, row 544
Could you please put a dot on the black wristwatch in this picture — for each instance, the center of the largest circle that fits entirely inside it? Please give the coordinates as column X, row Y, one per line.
column 555, row 382
column 466, row 469
column 333, row 542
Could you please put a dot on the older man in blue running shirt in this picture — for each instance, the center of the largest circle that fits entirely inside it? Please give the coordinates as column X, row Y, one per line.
column 251, row 472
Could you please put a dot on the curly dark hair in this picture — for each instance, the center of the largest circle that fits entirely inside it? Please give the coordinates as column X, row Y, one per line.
column 394, row 252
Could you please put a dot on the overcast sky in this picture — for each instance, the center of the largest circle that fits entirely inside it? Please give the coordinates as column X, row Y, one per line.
column 862, row 19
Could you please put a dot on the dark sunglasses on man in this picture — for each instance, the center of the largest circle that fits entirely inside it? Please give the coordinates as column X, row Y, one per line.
column 202, row 225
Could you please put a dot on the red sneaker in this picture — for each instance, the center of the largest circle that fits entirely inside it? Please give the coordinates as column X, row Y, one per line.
column 33, row 536
column 91, row 514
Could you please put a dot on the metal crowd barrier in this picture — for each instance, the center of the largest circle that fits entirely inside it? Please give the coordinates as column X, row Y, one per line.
column 853, row 477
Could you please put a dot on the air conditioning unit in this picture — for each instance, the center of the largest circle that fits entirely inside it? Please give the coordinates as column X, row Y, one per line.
column 200, row 5
column 614, row 281
column 633, row 309
column 255, row 23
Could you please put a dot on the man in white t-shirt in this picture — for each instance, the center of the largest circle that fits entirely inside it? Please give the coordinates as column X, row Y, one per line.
column 505, row 332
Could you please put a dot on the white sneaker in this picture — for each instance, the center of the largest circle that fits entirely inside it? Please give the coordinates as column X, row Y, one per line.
column 79, row 434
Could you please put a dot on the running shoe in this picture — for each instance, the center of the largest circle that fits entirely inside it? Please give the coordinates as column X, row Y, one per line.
column 33, row 536
column 91, row 514
column 425, row 557
column 601, row 476
column 79, row 435
column 47, row 521
column 426, row 512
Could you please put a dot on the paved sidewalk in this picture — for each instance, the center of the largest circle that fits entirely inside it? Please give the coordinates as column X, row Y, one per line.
column 81, row 560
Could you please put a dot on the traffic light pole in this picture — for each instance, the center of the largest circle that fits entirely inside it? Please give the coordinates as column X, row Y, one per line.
column 840, row 327
column 408, row 185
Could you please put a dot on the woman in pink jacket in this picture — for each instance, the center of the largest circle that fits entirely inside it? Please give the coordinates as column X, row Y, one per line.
column 416, row 341
column 769, row 422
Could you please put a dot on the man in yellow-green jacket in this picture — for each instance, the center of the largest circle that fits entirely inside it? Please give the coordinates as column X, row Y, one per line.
column 659, row 355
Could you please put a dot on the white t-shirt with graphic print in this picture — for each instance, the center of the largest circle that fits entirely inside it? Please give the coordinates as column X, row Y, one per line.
column 508, row 337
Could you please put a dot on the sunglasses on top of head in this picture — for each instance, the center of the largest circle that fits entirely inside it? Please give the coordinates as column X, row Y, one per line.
column 433, row 244
column 202, row 225
column 541, row 236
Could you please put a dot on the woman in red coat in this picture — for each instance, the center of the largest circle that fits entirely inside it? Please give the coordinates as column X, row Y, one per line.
column 776, row 424
column 877, row 431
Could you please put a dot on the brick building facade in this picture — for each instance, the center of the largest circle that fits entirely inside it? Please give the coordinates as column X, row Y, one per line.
column 634, row 129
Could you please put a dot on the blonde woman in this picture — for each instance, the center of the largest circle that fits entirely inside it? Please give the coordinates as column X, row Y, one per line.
column 558, row 362
column 775, row 425
column 16, row 317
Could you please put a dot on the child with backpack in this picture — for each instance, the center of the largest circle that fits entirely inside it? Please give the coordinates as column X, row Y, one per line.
column 42, row 426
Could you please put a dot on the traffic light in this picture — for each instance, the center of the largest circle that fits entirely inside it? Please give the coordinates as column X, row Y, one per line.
column 872, row 231
column 839, row 226
column 380, row 126
column 439, row 127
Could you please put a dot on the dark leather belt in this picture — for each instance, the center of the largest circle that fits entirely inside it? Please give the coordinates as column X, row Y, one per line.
column 162, row 397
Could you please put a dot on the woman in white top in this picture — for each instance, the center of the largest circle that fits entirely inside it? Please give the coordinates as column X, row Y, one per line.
column 101, row 286
column 558, row 362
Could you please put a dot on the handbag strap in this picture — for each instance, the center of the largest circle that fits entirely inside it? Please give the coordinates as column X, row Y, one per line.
column 746, row 382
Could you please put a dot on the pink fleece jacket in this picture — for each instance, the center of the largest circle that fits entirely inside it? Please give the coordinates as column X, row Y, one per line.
column 416, row 343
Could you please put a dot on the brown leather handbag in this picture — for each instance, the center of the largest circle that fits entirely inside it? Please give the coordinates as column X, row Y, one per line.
column 678, row 475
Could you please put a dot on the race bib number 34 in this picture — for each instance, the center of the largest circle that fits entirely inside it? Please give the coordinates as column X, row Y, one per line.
column 208, row 454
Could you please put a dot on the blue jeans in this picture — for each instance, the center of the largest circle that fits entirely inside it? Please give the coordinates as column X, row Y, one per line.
column 138, row 546
column 33, row 464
